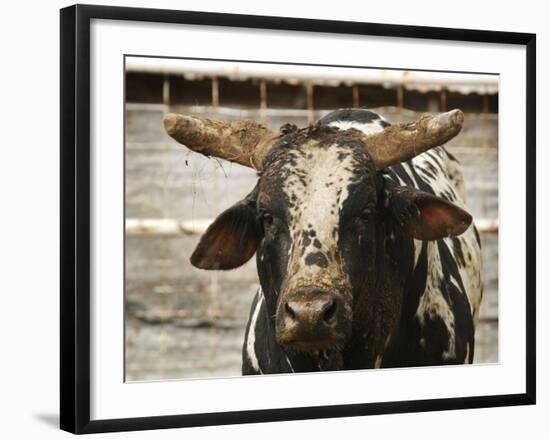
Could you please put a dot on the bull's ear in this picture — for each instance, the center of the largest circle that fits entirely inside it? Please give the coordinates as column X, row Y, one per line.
column 232, row 239
column 425, row 216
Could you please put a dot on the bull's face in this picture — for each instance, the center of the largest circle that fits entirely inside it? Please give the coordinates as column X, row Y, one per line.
column 316, row 221
column 316, row 202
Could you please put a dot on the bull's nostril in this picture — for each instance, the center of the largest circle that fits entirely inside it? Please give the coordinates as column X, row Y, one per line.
column 329, row 313
column 289, row 311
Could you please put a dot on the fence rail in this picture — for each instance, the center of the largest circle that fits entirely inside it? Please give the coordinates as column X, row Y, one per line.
column 174, row 227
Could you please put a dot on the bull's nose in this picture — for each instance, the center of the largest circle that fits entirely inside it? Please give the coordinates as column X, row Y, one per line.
column 312, row 320
column 312, row 314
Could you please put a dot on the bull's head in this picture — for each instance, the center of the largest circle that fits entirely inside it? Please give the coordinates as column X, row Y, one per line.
column 318, row 216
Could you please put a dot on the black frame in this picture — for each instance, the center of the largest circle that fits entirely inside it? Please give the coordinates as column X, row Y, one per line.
column 75, row 217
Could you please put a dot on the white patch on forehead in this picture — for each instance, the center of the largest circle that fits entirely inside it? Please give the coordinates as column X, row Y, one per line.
column 327, row 176
column 367, row 128
column 317, row 187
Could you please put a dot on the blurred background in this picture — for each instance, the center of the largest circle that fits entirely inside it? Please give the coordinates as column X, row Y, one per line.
column 182, row 322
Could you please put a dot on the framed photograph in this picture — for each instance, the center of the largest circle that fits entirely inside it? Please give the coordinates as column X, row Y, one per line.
column 275, row 218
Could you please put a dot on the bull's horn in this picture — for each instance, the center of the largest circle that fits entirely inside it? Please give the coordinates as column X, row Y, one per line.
column 398, row 143
column 243, row 141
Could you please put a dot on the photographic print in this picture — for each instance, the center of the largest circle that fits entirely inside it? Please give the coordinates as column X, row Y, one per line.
column 284, row 218
column 267, row 210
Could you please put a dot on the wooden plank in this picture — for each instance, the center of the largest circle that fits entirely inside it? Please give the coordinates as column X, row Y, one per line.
column 174, row 227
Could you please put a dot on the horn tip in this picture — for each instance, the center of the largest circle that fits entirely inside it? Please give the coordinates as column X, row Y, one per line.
column 171, row 122
column 456, row 116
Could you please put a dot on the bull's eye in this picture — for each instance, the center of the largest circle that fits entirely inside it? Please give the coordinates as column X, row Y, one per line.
column 366, row 214
column 266, row 219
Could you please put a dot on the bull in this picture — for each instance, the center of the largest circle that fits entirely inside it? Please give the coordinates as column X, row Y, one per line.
column 366, row 255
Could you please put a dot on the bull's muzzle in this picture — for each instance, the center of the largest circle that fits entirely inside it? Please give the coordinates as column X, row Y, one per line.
column 311, row 321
